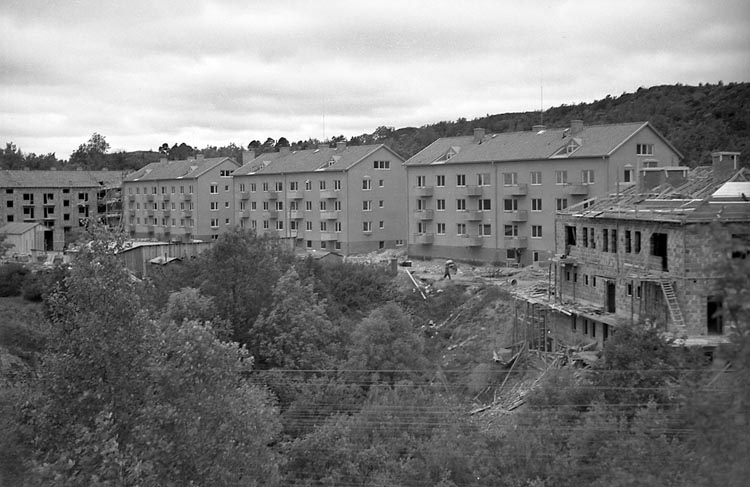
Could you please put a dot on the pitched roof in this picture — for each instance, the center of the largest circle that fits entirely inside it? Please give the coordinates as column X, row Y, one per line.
column 301, row 161
column 184, row 169
column 591, row 141
column 59, row 179
column 18, row 228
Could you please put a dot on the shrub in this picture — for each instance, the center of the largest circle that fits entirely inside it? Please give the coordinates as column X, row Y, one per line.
column 11, row 279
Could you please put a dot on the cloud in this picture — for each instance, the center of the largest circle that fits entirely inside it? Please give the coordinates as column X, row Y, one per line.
column 213, row 72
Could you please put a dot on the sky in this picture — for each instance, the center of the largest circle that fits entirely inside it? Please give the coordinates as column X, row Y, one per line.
column 215, row 72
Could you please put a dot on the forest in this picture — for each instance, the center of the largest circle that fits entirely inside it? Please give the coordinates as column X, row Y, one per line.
column 696, row 119
column 251, row 366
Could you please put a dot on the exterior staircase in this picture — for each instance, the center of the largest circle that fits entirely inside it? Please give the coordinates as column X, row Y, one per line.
column 674, row 307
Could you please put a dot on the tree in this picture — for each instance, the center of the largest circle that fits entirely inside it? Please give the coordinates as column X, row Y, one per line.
column 164, row 149
column 295, row 333
column 385, row 345
column 91, row 155
column 282, row 142
column 11, row 157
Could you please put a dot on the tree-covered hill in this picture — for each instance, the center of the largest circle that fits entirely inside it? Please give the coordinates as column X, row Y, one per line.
column 696, row 119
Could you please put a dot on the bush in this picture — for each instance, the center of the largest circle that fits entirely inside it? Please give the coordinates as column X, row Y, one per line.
column 11, row 279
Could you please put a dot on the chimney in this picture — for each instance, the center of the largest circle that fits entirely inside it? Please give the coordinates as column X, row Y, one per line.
column 538, row 128
column 576, row 127
column 478, row 135
column 247, row 156
column 341, row 145
column 284, row 150
column 724, row 165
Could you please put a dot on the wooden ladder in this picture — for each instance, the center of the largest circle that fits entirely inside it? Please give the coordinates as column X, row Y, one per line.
column 674, row 307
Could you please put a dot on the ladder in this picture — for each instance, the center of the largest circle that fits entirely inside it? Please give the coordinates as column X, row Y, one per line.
column 674, row 306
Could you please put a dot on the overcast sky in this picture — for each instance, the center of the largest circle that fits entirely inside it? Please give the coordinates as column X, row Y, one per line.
column 142, row 73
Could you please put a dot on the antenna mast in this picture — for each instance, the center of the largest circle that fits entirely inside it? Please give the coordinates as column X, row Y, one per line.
column 541, row 98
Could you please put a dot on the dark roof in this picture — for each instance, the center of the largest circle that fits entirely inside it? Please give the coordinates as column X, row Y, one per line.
column 18, row 228
column 594, row 141
column 59, row 179
column 184, row 169
column 301, row 161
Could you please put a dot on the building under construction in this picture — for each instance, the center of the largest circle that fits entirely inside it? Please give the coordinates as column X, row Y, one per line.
column 658, row 253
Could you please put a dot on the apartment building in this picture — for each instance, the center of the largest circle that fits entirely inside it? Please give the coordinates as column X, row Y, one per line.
column 493, row 197
column 344, row 199
column 60, row 200
column 182, row 200
column 656, row 255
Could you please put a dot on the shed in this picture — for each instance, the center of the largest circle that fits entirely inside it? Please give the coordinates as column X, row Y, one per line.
column 24, row 237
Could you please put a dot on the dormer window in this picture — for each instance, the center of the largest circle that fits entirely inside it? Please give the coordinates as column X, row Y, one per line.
column 569, row 148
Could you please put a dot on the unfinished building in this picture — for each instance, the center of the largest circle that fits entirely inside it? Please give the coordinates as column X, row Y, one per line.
column 656, row 253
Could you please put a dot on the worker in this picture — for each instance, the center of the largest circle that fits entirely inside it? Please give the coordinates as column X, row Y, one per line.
column 449, row 265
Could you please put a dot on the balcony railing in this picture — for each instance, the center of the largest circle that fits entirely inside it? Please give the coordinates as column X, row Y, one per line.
column 472, row 216
column 424, row 215
column 271, row 214
column 518, row 190
column 295, row 215
column 273, row 195
column 424, row 238
column 424, row 191
column 329, row 215
column 473, row 240
column 473, row 190
column 327, row 194
column 328, row 236
column 578, row 189
column 294, row 195
column 516, row 242
column 187, row 197
column 244, row 195
column 519, row 215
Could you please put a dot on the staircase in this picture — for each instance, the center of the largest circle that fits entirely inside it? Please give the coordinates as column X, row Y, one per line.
column 674, row 306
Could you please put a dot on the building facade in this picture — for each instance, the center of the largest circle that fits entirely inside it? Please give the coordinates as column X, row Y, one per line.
column 60, row 200
column 183, row 200
column 344, row 199
column 493, row 197
column 659, row 258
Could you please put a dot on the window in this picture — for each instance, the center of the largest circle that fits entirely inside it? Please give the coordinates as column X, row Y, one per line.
column 587, row 176
column 279, row 205
column 337, row 227
column 366, row 184
column 214, row 189
column 510, row 179
column 440, row 205
column 593, row 244
column 485, row 230
column 536, row 204
column 536, row 178
column 381, row 165
column 511, row 230
column 440, row 180
column 460, row 228
column 421, row 181
column 628, row 243
column 461, row 180
column 483, row 179
column 337, row 185
column 644, row 149
column 322, row 205
column 381, row 224
column 510, row 254
column 308, row 185
column 421, row 228
column 265, row 187
column 627, row 176
column 561, row 177
column 9, row 204
column 214, row 205
column 322, row 185
column 214, row 222
column 265, row 206
column 253, row 205
column 510, row 204
column 225, row 173
column 637, row 242
column 605, row 240
column 366, row 227
column 265, row 225
column 484, row 205
column 367, row 205
column 461, row 204
column 308, row 205
column 629, row 291
column 585, row 237
column 614, row 241
column 337, row 205
column 570, row 235
column 308, row 226
column 226, row 204
column 536, row 231
column 279, row 186
column 441, row 228
column 381, row 183
column 561, row 203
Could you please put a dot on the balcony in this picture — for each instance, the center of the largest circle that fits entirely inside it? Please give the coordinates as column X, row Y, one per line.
column 149, row 212
column 424, row 191
column 424, row 238
column 518, row 216
column 273, row 195
column 295, row 215
column 244, row 213
column 518, row 190
column 167, row 212
column 165, row 197
column 187, row 213
column 244, row 195
column 473, row 191
column 516, row 242
column 271, row 214
column 578, row 189
column 187, row 197
column 329, row 215
column 131, row 197
column 328, row 237
column 473, row 240
column 149, row 197
column 295, row 195
column 327, row 194
column 424, row 215
column 150, row 228
column 472, row 216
